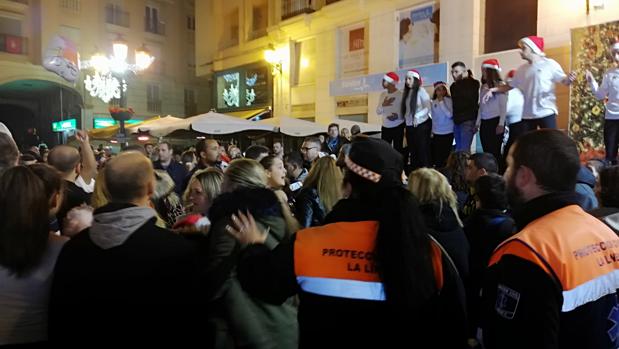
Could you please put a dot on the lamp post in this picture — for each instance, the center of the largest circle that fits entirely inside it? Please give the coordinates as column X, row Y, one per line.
column 108, row 82
column 275, row 59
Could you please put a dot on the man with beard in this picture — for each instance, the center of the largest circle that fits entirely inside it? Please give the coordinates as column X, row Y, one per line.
column 553, row 284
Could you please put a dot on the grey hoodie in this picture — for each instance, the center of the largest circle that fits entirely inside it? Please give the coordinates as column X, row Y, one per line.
column 112, row 229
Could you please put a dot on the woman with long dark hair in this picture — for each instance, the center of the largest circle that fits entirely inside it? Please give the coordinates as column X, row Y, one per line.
column 372, row 276
column 28, row 251
column 416, row 110
column 491, row 116
column 442, row 124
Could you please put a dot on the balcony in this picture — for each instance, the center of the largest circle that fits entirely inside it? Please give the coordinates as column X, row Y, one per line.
column 114, row 15
column 292, row 8
column 153, row 106
column 12, row 44
column 154, row 26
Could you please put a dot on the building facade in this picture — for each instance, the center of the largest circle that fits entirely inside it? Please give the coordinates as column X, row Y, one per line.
column 330, row 54
column 30, row 29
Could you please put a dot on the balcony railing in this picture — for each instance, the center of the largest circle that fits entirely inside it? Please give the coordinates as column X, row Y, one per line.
column 292, row 8
column 153, row 106
column 13, row 44
column 153, row 26
column 114, row 15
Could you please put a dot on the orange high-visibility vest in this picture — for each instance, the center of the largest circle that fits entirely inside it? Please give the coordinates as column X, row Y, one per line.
column 574, row 248
column 337, row 260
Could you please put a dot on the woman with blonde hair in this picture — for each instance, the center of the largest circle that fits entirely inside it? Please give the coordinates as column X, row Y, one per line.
column 321, row 191
column 439, row 206
column 238, row 318
column 204, row 186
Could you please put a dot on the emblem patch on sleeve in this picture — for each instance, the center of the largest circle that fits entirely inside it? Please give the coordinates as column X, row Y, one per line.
column 506, row 302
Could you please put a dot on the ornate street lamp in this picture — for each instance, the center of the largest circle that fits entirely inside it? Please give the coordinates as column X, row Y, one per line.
column 108, row 82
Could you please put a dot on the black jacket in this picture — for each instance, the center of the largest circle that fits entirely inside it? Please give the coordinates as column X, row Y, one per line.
column 332, row 322
column 178, row 172
column 308, row 209
column 447, row 231
column 144, row 290
column 465, row 97
column 485, row 230
column 335, row 150
column 535, row 300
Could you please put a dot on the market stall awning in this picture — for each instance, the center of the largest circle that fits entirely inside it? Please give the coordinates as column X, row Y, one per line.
column 216, row 123
column 294, row 127
column 161, row 127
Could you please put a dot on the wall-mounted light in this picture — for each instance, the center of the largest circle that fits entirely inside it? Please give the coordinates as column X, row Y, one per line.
column 595, row 4
column 274, row 58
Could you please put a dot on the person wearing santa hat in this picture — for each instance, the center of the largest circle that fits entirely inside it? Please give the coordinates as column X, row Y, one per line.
column 388, row 108
column 515, row 125
column 442, row 125
column 415, row 107
column 491, row 116
column 609, row 89
column 536, row 79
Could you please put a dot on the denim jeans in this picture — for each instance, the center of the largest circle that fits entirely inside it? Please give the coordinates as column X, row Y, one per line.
column 464, row 134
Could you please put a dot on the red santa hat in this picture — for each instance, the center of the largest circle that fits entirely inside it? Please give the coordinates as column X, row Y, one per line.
column 511, row 74
column 536, row 44
column 413, row 73
column 491, row 64
column 391, row 78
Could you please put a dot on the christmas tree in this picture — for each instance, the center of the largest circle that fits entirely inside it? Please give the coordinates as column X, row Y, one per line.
column 590, row 51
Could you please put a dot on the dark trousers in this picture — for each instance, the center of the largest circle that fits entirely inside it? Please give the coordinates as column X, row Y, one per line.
column 418, row 139
column 490, row 141
column 549, row 121
column 611, row 139
column 394, row 136
column 514, row 131
column 442, row 146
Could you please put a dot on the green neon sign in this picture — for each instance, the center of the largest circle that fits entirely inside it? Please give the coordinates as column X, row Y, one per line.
column 64, row 125
column 107, row 122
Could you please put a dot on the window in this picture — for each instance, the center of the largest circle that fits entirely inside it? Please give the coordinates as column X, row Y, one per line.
column 152, row 24
column 71, row 5
column 231, row 30
column 191, row 22
column 190, row 102
column 259, row 20
column 115, row 15
column 519, row 16
column 11, row 40
column 153, row 101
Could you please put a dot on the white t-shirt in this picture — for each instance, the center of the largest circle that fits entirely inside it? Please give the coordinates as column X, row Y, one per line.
column 391, row 110
column 495, row 106
column 88, row 188
column 423, row 108
column 537, row 83
column 515, row 102
column 610, row 89
column 442, row 116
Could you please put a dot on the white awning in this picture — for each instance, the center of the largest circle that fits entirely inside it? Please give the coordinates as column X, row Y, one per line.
column 215, row 123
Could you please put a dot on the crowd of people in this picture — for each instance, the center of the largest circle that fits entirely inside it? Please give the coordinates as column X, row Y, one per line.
column 345, row 242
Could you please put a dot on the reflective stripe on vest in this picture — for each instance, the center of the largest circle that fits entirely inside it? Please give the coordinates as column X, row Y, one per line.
column 337, row 260
column 577, row 250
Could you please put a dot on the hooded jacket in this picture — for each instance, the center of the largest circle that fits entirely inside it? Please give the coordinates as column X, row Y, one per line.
column 124, row 280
